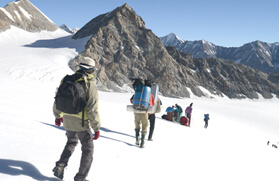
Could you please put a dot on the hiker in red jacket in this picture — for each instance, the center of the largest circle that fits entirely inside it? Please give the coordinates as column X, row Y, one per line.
column 152, row 118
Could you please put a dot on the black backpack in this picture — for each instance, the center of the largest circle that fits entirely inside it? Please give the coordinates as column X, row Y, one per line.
column 70, row 97
column 137, row 82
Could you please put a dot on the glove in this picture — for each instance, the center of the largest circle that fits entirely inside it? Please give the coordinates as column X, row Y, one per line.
column 58, row 121
column 97, row 134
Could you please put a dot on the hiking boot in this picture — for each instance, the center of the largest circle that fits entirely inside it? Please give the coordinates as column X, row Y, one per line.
column 150, row 139
column 137, row 142
column 142, row 140
column 58, row 170
column 137, row 136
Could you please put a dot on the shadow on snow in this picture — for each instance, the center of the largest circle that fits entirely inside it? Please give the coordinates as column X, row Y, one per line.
column 16, row 167
column 61, row 42
column 102, row 129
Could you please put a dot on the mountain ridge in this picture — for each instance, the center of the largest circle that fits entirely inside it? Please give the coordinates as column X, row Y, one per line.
column 124, row 48
column 257, row 54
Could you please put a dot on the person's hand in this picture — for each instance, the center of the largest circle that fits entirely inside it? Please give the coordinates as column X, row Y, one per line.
column 97, row 134
column 58, row 121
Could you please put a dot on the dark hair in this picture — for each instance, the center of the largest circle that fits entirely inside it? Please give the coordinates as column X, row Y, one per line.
column 137, row 82
column 147, row 83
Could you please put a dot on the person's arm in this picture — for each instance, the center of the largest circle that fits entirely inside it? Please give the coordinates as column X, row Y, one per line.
column 93, row 106
column 131, row 99
column 152, row 100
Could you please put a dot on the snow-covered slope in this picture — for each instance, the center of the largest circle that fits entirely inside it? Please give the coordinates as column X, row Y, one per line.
column 234, row 147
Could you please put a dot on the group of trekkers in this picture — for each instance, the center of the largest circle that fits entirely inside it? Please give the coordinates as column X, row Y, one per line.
column 174, row 113
column 77, row 107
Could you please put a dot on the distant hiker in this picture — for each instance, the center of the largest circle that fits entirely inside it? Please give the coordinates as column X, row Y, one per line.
column 78, row 125
column 152, row 118
column 179, row 113
column 206, row 118
column 141, row 121
column 188, row 113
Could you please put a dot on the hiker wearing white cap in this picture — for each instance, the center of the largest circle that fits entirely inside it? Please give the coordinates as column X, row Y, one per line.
column 78, row 125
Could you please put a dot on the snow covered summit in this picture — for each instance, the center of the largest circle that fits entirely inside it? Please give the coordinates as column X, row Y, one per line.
column 23, row 14
column 171, row 40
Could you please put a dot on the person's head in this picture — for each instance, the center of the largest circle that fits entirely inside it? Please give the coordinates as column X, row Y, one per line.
column 148, row 83
column 87, row 64
column 137, row 82
column 191, row 104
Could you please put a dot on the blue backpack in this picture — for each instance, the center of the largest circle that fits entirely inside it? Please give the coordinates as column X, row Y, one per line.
column 206, row 117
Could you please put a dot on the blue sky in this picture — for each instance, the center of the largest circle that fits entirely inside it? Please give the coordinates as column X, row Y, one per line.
column 228, row 23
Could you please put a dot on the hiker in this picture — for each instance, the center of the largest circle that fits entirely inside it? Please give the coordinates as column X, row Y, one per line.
column 188, row 113
column 141, row 119
column 152, row 118
column 178, row 113
column 78, row 126
column 171, row 113
column 206, row 118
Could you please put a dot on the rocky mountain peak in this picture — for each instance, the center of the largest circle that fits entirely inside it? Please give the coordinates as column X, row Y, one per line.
column 124, row 48
column 123, row 15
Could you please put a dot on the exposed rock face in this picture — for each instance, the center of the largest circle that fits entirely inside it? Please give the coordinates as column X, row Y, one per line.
column 23, row 14
column 124, row 48
column 227, row 77
column 258, row 55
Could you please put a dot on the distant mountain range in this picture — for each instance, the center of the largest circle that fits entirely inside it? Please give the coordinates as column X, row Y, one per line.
column 258, row 55
column 124, row 48
column 69, row 30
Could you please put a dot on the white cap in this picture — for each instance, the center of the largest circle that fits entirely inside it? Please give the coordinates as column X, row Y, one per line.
column 87, row 63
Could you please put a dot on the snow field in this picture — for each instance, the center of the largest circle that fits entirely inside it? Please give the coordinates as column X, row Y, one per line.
column 234, row 147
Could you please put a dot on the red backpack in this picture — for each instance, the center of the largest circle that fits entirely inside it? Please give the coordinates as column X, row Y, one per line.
column 184, row 121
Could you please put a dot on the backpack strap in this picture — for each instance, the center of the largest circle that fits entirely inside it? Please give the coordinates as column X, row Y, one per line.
column 84, row 78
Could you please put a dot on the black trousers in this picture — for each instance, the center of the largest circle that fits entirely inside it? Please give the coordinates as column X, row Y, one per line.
column 206, row 123
column 189, row 118
column 151, row 118
column 86, row 139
